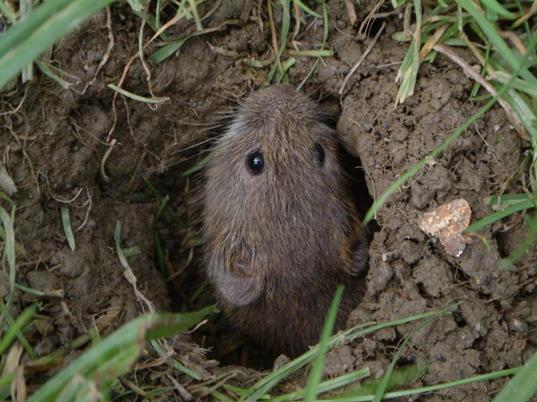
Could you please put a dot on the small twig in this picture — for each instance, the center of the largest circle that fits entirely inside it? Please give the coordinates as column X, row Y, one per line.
column 185, row 395
column 470, row 72
column 273, row 32
column 351, row 12
column 433, row 40
column 362, row 58
column 527, row 16
column 19, row 106
column 105, row 157
column 86, row 216
column 7, row 185
column 119, row 84
column 141, row 48
column 366, row 23
column 406, row 21
column 472, row 46
column 296, row 31
column 257, row 13
column 108, row 52
column 515, row 40
column 63, row 201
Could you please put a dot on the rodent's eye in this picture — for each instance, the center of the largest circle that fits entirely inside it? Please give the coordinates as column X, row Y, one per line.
column 255, row 162
column 319, row 152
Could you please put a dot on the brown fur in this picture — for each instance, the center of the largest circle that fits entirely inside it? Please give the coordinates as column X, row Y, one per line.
column 279, row 243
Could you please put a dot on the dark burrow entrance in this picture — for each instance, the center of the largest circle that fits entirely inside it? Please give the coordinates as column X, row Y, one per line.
column 179, row 248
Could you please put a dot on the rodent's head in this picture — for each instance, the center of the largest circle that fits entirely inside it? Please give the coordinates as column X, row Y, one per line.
column 275, row 147
column 274, row 195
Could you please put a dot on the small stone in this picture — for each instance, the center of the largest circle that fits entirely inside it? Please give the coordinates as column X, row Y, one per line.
column 43, row 280
column 447, row 222
column 518, row 326
column 280, row 361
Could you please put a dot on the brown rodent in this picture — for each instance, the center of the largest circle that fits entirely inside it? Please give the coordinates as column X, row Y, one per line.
column 281, row 229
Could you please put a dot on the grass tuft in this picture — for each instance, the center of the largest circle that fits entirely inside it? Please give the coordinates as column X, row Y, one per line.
column 115, row 355
column 27, row 39
column 506, row 73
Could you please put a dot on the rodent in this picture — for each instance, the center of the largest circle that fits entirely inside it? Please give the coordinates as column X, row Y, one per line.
column 280, row 227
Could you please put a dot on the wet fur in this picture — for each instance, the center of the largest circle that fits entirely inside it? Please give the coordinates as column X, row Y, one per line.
column 278, row 244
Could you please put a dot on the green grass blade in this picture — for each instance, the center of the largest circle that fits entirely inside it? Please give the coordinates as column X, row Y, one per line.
column 169, row 324
column 524, row 112
column 311, row 53
column 26, row 40
column 66, row 223
column 383, row 385
column 328, row 385
column 304, row 7
column 527, row 242
column 45, row 69
column 411, row 62
column 197, row 166
column 518, row 84
column 173, row 363
column 25, row 9
column 286, row 22
column 195, row 14
column 277, row 71
column 496, row 216
column 499, row 9
column 387, row 378
column 40, row 293
column 167, row 50
column 9, row 245
column 15, row 330
column 285, row 66
column 7, row 10
column 173, row 46
column 76, row 389
column 139, row 98
column 323, row 45
column 136, row 5
column 492, row 34
column 431, row 388
column 398, row 378
column 506, row 199
column 317, row 370
column 5, row 384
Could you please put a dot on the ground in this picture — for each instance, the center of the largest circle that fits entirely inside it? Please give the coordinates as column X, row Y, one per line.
column 57, row 149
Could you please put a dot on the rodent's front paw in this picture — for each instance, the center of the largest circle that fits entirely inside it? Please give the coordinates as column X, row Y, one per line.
column 360, row 259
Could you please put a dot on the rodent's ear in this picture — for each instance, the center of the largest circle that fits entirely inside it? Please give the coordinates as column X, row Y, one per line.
column 239, row 291
column 359, row 247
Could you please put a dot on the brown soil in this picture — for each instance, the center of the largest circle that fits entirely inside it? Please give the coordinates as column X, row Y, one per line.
column 56, row 140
